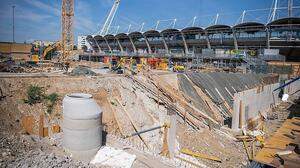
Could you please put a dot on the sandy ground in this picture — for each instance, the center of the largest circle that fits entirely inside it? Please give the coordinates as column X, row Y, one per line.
column 116, row 95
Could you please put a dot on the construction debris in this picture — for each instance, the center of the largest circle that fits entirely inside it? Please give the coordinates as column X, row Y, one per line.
column 199, row 155
column 139, row 107
column 282, row 149
column 82, row 70
column 112, row 157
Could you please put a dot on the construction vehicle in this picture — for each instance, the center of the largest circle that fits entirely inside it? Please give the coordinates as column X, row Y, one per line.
column 50, row 48
column 123, row 64
column 162, row 64
column 178, row 68
column 37, row 56
column 157, row 63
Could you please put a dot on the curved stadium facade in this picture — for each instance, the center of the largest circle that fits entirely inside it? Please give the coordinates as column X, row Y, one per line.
column 282, row 34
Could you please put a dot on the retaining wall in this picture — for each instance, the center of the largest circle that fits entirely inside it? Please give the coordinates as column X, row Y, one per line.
column 248, row 104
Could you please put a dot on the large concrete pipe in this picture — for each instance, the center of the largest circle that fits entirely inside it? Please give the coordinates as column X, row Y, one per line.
column 82, row 126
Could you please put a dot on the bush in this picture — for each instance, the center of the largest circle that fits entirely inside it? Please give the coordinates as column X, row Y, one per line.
column 35, row 94
column 52, row 98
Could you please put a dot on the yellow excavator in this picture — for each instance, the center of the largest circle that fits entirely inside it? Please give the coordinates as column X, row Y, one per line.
column 178, row 68
column 56, row 45
column 37, row 58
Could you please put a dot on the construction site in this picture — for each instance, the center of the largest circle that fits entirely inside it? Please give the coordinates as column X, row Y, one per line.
column 214, row 96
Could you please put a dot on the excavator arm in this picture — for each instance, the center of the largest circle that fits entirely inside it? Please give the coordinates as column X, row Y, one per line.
column 49, row 48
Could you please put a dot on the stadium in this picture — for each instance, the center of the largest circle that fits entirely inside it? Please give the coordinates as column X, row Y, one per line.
column 277, row 40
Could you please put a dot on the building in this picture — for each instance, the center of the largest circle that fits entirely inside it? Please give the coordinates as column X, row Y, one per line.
column 16, row 51
column 42, row 43
column 281, row 35
column 83, row 43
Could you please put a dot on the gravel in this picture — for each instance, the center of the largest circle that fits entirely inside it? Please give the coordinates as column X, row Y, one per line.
column 29, row 151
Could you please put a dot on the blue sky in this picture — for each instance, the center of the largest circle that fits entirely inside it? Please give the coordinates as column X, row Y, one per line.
column 40, row 19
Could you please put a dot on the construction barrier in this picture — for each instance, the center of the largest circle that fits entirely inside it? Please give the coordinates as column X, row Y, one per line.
column 249, row 105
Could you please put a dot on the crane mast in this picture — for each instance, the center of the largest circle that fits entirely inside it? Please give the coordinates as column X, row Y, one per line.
column 110, row 18
column 67, row 36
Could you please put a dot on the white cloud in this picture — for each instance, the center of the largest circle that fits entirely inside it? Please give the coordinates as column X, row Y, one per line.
column 44, row 6
column 31, row 16
column 83, row 18
column 23, row 13
column 106, row 3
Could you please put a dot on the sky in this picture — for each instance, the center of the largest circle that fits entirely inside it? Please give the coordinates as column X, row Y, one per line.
column 40, row 19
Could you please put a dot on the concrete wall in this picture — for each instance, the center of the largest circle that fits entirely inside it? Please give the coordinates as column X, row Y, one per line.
column 249, row 103
column 18, row 51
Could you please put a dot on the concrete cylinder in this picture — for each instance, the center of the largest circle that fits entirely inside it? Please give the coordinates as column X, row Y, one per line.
column 82, row 126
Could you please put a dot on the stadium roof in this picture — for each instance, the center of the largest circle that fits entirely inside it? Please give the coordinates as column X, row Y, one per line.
column 218, row 28
column 152, row 33
column 282, row 21
column 248, row 24
column 109, row 37
column 122, row 36
column 135, row 34
column 98, row 38
column 191, row 30
column 249, row 27
column 170, row 31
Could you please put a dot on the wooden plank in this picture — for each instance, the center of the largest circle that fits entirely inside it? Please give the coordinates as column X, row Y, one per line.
column 241, row 115
column 41, row 125
column 200, row 155
column 277, row 142
column 55, row 129
column 169, row 102
column 118, row 122
column 28, row 124
column 179, row 99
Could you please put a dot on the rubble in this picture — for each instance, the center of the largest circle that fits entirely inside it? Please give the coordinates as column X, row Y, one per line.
column 82, row 70
column 30, row 151
column 131, row 104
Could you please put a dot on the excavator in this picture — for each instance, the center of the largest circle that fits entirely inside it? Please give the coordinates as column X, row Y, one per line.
column 36, row 58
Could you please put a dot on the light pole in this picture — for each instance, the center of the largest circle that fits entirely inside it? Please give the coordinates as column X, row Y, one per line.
column 13, row 26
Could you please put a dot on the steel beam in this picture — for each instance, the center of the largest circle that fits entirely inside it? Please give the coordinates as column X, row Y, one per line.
column 165, row 43
column 100, row 50
column 148, row 44
column 107, row 44
column 119, row 44
column 184, row 43
column 207, row 40
column 268, row 39
column 235, row 42
column 132, row 43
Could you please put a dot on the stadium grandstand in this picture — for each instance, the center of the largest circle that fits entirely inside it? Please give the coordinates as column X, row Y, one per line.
column 277, row 39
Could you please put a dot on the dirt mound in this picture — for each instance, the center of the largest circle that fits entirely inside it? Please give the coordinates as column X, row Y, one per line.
column 82, row 70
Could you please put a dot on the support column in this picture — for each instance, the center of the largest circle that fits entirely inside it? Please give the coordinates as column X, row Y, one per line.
column 235, row 40
column 165, row 44
column 100, row 50
column 132, row 43
column 184, row 43
column 107, row 44
column 221, row 40
column 207, row 40
column 268, row 39
column 148, row 45
column 120, row 46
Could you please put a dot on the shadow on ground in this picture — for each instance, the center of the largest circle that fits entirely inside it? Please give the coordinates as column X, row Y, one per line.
column 295, row 109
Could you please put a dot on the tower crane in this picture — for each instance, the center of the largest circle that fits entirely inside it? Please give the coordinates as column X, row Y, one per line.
column 110, row 18
column 67, row 35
